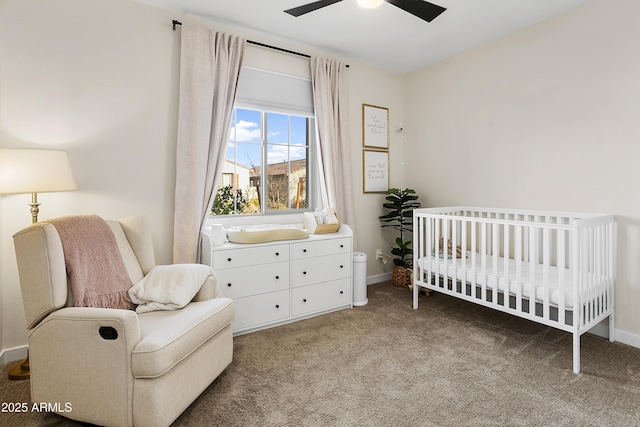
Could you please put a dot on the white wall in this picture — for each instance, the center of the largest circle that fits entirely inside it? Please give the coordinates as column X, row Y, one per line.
column 546, row 118
column 99, row 79
column 385, row 89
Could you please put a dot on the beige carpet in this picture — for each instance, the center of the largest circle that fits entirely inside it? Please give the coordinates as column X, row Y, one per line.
column 449, row 363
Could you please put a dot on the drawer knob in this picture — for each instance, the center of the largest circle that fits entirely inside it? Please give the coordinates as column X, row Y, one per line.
column 277, row 305
column 342, row 246
column 277, row 277
column 342, row 266
column 304, row 272
column 304, row 300
column 229, row 284
column 304, row 250
column 341, row 292
column 229, row 259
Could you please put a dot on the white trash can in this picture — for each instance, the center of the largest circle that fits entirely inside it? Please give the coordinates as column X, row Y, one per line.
column 360, row 279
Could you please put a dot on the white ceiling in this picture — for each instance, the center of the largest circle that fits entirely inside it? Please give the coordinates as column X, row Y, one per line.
column 386, row 37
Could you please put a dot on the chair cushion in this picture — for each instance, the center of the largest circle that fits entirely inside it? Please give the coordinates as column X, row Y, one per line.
column 167, row 337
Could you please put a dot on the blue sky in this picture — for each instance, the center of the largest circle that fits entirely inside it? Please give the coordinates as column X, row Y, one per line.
column 246, row 133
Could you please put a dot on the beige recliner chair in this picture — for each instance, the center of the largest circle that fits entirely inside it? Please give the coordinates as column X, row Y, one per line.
column 114, row 366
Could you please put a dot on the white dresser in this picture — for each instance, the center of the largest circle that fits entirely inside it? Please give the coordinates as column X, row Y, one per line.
column 283, row 281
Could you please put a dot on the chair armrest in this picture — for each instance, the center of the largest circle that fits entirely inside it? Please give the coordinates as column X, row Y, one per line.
column 125, row 321
column 209, row 290
column 89, row 328
column 75, row 348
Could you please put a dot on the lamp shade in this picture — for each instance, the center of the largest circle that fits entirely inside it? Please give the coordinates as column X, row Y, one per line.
column 35, row 171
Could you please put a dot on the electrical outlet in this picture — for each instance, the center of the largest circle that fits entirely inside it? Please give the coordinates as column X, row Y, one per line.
column 379, row 254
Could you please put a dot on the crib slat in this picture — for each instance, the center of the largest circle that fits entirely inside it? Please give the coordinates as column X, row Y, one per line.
column 436, row 244
column 576, row 264
column 506, row 256
column 428, row 245
column 561, row 236
column 518, row 257
column 483, row 253
column 445, row 257
column 463, row 245
column 532, row 269
column 454, row 263
column 474, row 251
column 546, row 261
column 494, row 261
column 588, row 277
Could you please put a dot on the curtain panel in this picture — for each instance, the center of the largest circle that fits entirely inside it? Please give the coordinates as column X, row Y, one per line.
column 210, row 64
column 330, row 92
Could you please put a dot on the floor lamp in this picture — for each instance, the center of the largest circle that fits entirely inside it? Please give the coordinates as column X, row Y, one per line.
column 33, row 171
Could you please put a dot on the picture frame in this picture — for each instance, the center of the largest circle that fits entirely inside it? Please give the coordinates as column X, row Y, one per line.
column 375, row 171
column 375, row 127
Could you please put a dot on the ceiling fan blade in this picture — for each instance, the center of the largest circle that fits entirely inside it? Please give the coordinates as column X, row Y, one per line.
column 421, row 9
column 301, row 10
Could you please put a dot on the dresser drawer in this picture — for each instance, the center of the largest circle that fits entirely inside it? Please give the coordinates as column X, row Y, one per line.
column 314, row 270
column 254, row 279
column 232, row 258
column 259, row 310
column 310, row 249
column 323, row 296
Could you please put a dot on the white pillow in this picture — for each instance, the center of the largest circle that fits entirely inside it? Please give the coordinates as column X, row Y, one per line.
column 169, row 287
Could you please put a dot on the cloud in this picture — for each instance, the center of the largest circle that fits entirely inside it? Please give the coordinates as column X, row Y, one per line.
column 283, row 153
column 245, row 131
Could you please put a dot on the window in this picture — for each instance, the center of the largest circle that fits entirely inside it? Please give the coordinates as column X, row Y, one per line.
column 269, row 163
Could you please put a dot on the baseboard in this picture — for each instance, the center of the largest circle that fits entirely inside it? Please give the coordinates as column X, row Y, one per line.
column 602, row 330
column 378, row 278
column 627, row 338
column 13, row 354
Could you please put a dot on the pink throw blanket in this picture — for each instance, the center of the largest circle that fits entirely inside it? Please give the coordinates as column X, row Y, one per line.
column 94, row 264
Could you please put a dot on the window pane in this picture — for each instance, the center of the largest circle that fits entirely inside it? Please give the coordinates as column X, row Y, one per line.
column 277, row 128
column 237, row 193
column 298, row 130
column 248, row 168
column 287, row 162
column 298, row 183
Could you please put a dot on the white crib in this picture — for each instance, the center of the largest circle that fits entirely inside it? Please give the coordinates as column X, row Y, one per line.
column 554, row 268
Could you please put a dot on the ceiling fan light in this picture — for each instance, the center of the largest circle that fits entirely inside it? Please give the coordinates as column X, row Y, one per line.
column 369, row 4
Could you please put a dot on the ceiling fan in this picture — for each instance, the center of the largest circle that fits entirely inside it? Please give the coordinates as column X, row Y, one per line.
column 421, row 9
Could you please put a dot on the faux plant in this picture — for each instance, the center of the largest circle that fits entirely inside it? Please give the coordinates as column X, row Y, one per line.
column 400, row 205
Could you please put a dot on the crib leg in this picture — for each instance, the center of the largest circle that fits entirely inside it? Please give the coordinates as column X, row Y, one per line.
column 612, row 329
column 576, row 353
column 415, row 296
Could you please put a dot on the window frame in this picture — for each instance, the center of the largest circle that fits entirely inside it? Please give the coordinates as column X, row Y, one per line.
column 311, row 177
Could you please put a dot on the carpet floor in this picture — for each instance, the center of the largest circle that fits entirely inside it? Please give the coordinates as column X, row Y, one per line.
column 449, row 363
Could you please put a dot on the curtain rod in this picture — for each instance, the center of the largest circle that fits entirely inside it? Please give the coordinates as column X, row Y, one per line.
column 304, row 55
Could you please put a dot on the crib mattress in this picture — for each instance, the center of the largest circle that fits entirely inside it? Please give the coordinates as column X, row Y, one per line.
column 485, row 274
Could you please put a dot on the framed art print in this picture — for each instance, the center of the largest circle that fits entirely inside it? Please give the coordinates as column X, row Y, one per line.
column 375, row 171
column 375, row 127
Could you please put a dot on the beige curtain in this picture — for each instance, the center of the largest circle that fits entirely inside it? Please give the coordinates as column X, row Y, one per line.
column 210, row 64
column 331, row 101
